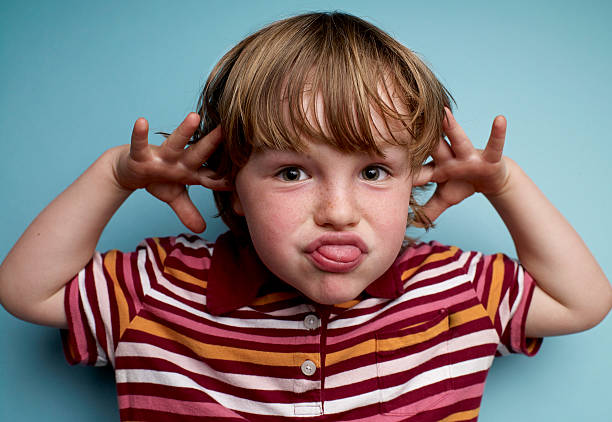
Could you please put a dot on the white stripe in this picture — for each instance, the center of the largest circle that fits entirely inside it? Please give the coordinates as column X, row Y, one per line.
column 471, row 271
column 142, row 271
column 173, row 379
column 104, row 305
column 504, row 310
column 198, row 244
column 520, row 280
column 503, row 350
column 101, row 358
column 294, row 310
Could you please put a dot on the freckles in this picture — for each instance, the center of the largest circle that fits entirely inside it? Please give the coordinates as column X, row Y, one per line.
column 278, row 216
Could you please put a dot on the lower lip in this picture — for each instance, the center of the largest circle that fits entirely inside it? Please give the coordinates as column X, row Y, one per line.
column 331, row 266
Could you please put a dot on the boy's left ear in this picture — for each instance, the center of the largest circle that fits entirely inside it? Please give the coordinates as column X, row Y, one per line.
column 236, row 204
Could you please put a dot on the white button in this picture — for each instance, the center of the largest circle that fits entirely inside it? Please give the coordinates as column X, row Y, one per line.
column 311, row 322
column 309, row 368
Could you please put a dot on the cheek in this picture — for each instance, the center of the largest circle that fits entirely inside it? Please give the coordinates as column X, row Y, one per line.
column 272, row 219
column 391, row 208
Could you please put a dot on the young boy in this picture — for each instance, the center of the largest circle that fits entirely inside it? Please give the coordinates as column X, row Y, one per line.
column 312, row 132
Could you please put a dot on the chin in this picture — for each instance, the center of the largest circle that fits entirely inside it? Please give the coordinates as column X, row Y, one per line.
column 333, row 294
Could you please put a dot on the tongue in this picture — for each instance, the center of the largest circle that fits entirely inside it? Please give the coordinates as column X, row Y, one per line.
column 340, row 253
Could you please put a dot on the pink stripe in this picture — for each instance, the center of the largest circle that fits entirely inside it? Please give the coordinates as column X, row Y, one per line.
column 77, row 330
column 180, row 407
column 481, row 283
column 517, row 333
column 202, row 263
column 128, row 279
column 395, row 316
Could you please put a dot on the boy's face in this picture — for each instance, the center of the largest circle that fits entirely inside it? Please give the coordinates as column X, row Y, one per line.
column 326, row 222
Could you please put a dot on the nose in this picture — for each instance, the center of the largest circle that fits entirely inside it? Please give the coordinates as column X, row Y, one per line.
column 337, row 206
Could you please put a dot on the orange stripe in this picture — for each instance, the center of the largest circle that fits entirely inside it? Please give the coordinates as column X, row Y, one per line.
column 187, row 278
column 384, row 345
column 431, row 258
column 347, row 305
column 110, row 264
column 226, row 353
column 532, row 343
column 414, row 338
column 467, row 315
column 161, row 251
column 466, row 415
column 497, row 280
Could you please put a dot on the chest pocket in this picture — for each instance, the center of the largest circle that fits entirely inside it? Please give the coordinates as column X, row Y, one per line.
column 412, row 365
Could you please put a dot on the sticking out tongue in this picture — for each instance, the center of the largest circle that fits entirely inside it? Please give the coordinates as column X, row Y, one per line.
column 340, row 253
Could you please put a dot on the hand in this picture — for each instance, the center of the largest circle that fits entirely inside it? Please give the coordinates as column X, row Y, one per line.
column 166, row 170
column 460, row 170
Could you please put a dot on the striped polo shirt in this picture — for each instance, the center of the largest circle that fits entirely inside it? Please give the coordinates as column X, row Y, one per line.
column 199, row 331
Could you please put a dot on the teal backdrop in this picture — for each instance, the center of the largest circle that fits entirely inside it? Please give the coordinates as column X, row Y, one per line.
column 74, row 76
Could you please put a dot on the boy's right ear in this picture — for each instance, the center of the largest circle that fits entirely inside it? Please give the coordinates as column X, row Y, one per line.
column 236, row 204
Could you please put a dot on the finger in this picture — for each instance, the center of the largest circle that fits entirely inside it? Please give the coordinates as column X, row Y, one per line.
column 139, row 144
column 425, row 175
column 494, row 150
column 174, row 146
column 442, row 152
column 187, row 212
column 460, row 143
column 199, row 152
column 434, row 207
column 209, row 179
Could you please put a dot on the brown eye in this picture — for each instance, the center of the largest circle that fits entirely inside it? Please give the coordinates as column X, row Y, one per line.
column 291, row 174
column 373, row 173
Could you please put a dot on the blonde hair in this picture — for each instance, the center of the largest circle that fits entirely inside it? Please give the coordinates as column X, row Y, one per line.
column 256, row 93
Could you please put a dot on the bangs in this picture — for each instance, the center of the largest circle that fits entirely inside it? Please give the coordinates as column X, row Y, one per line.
column 329, row 78
column 321, row 90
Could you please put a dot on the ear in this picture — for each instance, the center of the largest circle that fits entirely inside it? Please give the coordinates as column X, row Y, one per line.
column 236, row 204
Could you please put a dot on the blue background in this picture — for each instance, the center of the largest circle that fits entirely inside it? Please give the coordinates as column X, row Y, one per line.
column 75, row 75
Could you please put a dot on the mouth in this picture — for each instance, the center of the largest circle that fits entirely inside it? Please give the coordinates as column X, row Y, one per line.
column 339, row 252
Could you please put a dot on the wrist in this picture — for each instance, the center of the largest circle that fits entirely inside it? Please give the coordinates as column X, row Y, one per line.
column 112, row 160
column 509, row 180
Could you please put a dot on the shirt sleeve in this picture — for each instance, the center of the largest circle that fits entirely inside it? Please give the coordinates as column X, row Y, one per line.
column 104, row 297
column 505, row 289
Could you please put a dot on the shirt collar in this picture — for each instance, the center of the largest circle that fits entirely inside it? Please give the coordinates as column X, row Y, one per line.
column 236, row 275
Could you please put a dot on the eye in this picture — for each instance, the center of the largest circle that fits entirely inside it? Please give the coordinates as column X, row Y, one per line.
column 374, row 173
column 292, row 174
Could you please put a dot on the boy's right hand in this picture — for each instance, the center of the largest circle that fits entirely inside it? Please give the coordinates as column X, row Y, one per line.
column 165, row 171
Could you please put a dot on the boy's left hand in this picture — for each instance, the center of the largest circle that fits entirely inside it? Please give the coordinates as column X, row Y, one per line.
column 460, row 170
